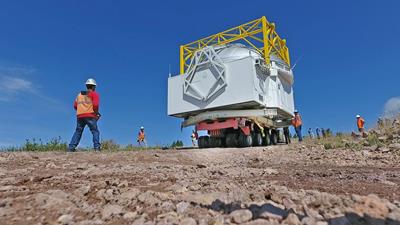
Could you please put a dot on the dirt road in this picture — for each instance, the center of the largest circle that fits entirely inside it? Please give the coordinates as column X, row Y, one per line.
column 267, row 185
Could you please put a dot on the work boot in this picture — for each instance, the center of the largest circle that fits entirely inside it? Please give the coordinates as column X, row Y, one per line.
column 71, row 150
column 97, row 150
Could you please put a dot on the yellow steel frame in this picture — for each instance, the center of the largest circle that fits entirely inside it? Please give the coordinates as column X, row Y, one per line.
column 259, row 34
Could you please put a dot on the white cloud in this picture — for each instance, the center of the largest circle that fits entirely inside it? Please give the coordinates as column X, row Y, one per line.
column 12, row 86
column 392, row 107
column 13, row 83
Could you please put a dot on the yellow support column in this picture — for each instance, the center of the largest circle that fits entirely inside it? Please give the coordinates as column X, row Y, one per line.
column 287, row 55
column 265, row 30
column 182, row 60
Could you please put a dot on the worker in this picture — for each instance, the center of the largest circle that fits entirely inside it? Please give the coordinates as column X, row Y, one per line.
column 297, row 123
column 310, row 133
column 317, row 130
column 323, row 132
column 141, row 139
column 380, row 122
column 86, row 105
column 360, row 124
column 194, row 137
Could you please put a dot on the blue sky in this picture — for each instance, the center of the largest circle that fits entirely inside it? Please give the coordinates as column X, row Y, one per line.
column 348, row 49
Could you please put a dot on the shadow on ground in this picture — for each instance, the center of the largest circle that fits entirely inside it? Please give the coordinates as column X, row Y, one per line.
column 273, row 211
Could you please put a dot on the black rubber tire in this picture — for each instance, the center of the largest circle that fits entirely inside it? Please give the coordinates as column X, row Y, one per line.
column 245, row 141
column 211, row 142
column 206, row 141
column 257, row 139
column 274, row 137
column 215, row 142
column 267, row 138
column 218, row 143
column 286, row 134
column 203, row 142
column 231, row 140
column 200, row 142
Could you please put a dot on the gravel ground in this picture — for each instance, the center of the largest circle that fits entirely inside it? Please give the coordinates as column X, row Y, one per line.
column 267, row 185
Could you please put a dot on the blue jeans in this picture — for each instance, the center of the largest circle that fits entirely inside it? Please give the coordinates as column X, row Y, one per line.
column 298, row 132
column 80, row 125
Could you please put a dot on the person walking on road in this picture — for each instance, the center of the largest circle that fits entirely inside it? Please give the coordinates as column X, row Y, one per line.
column 360, row 124
column 86, row 105
column 141, row 139
column 297, row 123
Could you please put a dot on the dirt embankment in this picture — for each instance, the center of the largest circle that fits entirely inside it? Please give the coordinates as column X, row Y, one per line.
column 269, row 185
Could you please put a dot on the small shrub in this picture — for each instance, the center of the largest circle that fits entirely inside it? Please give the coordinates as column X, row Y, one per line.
column 55, row 144
column 372, row 139
column 176, row 144
column 328, row 146
column 110, row 145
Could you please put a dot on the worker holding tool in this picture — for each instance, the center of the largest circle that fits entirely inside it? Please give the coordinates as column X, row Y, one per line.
column 141, row 139
column 296, row 122
column 360, row 124
column 86, row 105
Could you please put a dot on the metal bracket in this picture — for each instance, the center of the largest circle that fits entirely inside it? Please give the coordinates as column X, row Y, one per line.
column 205, row 59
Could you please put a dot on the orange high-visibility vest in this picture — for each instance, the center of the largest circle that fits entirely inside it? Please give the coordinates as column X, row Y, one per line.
column 84, row 104
column 296, row 121
column 360, row 122
column 141, row 135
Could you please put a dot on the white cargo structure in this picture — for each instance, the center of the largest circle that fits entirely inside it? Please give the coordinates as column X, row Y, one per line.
column 233, row 78
column 239, row 93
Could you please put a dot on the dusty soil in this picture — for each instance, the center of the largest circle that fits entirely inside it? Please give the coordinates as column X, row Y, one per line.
column 266, row 185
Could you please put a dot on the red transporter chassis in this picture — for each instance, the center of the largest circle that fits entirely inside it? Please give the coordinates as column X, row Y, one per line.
column 237, row 132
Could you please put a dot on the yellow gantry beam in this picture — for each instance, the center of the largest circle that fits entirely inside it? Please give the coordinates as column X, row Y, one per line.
column 259, row 34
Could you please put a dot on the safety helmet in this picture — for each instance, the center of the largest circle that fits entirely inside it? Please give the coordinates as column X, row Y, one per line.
column 142, row 128
column 91, row 81
column 358, row 116
column 296, row 111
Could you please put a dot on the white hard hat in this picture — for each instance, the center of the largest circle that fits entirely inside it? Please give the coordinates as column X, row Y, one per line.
column 91, row 81
column 142, row 128
column 358, row 116
column 296, row 111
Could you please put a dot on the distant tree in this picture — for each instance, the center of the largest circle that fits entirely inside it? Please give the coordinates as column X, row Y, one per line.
column 179, row 143
column 173, row 145
column 176, row 144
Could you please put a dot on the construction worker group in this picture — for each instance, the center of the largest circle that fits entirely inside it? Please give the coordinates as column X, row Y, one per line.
column 87, row 103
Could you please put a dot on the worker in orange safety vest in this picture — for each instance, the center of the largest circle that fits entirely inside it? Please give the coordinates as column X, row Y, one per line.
column 141, row 139
column 360, row 124
column 86, row 105
column 297, row 123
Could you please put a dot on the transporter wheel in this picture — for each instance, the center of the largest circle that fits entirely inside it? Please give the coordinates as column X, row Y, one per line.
column 257, row 139
column 245, row 140
column 200, row 142
column 231, row 140
column 215, row 142
column 286, row 134
column 203, row 142
column 274, row 137
column 267, row 138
